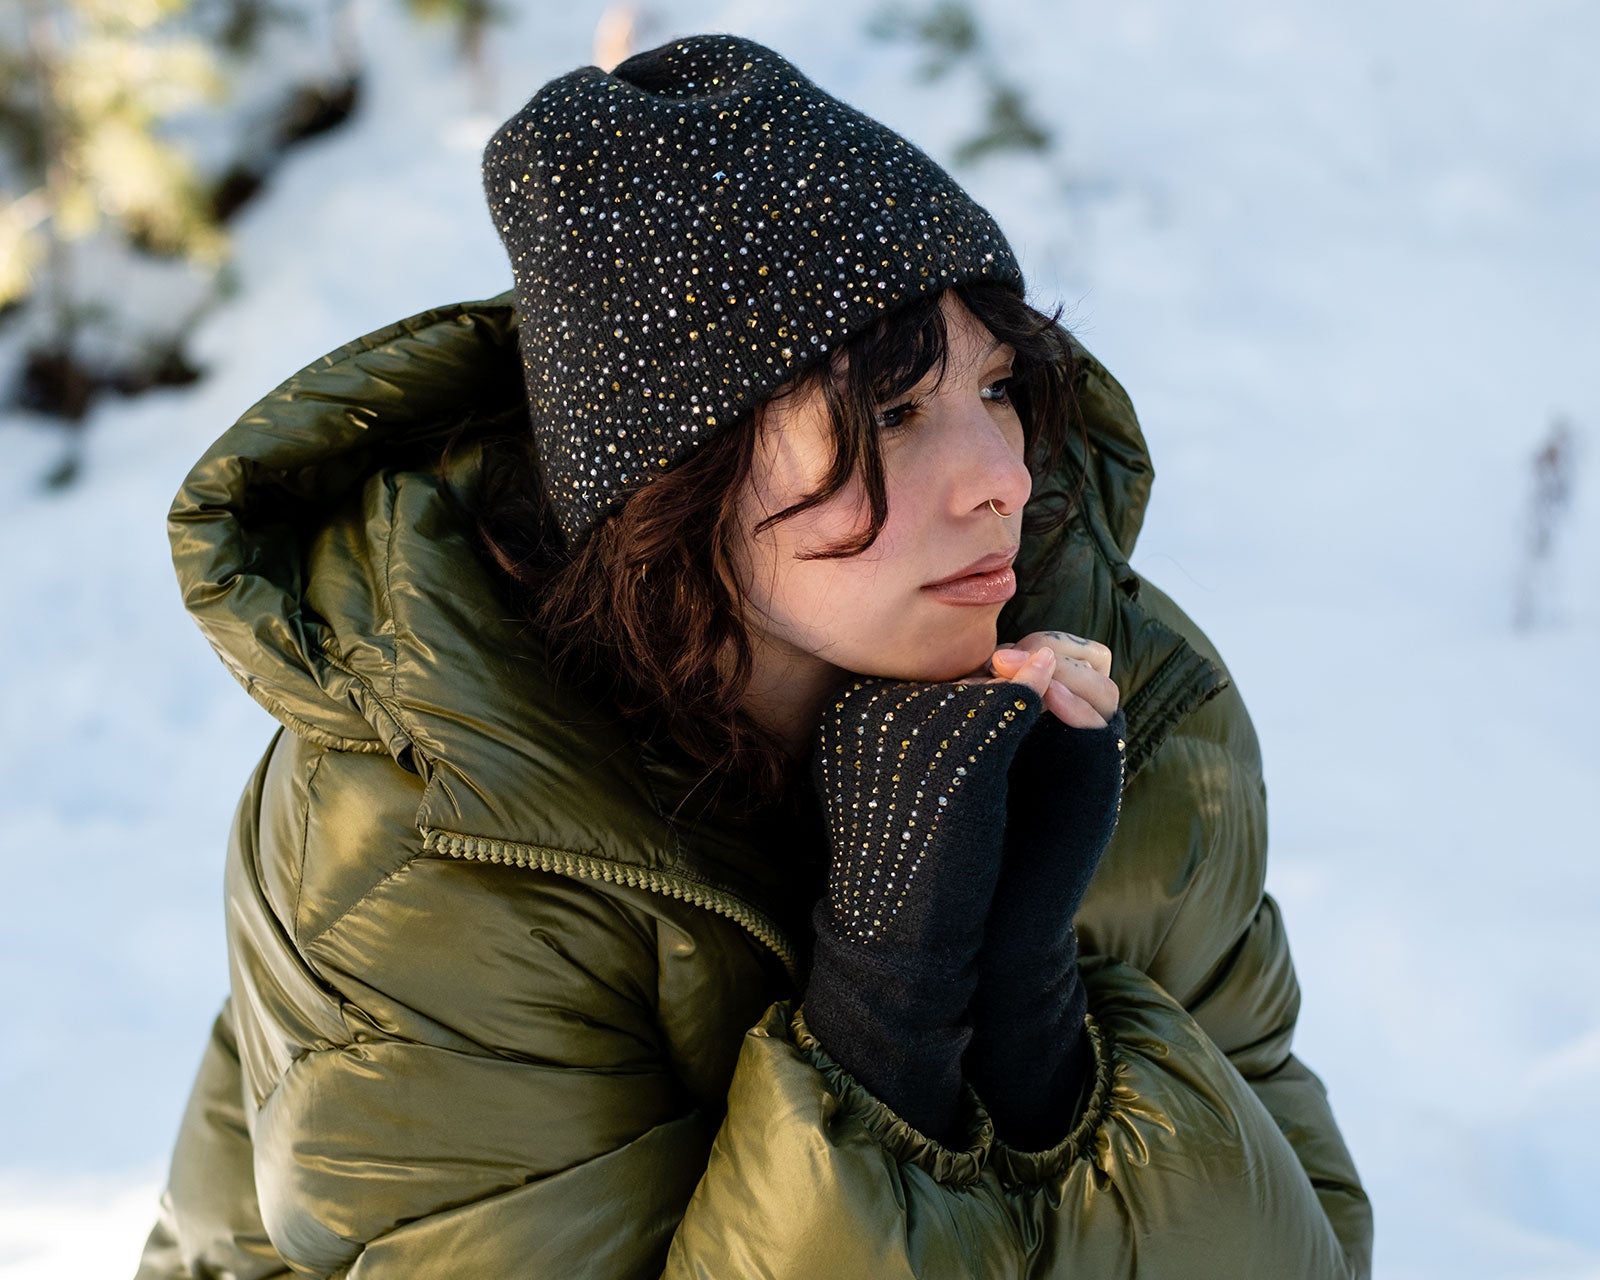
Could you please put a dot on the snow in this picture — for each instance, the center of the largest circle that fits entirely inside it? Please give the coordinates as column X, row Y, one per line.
column 1342, row 258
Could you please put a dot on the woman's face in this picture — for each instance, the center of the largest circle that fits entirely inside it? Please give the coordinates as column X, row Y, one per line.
column 874, row 614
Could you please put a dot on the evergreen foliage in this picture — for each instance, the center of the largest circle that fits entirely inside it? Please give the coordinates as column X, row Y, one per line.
column 949, row 37
column 1553, row 474
column 83, row 100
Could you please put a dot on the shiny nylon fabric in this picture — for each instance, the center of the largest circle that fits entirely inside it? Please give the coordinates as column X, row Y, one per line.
column 501, row 1007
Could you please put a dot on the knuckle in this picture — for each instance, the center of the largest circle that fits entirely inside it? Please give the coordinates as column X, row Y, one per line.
column 1068, row 644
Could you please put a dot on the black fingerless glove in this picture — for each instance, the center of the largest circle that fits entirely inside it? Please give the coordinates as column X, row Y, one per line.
column 912, row 777
column 1030, row 1060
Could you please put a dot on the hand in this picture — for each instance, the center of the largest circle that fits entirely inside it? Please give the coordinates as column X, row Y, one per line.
column 1029, row 1058
column 1065, row 782
column 913, row 780
column 1079, row 690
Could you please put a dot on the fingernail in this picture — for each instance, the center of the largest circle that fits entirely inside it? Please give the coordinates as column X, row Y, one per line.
column 1011, row 657
column 1042, row 657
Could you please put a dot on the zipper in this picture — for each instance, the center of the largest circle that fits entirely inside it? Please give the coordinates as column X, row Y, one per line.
column 587, row 867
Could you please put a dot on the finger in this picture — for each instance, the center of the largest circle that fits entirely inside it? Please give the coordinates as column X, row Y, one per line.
column 1069, row 645
column 1070, row 709
column 1035, row 672
column 1079, row 675
column 1098, row 691
column 1007, row 658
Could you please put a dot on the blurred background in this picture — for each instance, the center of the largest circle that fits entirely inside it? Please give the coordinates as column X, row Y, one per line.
column 1344, row 258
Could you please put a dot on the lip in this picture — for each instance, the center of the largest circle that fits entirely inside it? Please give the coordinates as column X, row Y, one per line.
column 984, row 582
column 988, row 565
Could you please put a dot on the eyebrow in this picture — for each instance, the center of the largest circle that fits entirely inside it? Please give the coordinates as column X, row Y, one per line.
column 840, row 378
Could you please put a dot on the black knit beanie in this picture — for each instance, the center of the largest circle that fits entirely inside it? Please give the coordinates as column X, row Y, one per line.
column 690, row 231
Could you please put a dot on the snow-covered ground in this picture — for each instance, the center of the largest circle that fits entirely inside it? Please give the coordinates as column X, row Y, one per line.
column 1343, row 258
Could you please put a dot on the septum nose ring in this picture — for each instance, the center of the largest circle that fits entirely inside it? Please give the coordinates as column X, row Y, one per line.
column 1003, row 515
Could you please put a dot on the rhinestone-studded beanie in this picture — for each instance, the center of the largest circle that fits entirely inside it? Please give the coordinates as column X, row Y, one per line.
column 691, row 230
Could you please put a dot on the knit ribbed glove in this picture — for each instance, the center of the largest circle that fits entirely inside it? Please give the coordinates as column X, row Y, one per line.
column 1030, row 1060
column 912, row 777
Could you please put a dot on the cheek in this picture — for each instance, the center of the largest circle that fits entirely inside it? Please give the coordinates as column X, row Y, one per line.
column 862, row 612
column 812, row 597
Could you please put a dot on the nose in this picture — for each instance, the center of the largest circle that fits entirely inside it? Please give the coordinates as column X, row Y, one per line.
column 993, row 463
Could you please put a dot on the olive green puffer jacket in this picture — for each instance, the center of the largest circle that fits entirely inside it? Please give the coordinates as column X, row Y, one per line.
column 511, row 998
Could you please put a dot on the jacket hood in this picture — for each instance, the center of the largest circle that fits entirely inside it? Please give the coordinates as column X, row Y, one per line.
column 323, row 547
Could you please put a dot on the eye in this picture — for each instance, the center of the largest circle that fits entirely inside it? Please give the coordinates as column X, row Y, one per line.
column 999, row 392
column 896, row 419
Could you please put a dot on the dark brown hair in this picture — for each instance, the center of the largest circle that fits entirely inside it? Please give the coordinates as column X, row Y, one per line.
column 650, row 606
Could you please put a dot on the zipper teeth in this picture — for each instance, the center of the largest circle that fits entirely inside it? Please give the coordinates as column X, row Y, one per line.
column 582, row 866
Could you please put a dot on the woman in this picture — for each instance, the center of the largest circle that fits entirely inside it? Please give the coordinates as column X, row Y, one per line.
column 663, row 868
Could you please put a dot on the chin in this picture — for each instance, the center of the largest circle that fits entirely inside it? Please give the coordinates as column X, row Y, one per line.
column 961, row 658
column 953, row 657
